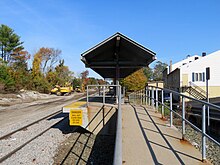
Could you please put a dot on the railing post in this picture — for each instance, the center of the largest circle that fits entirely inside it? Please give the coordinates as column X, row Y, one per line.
column 162, row 102
column 87, row 95
column 141, row 96
column 183, row 117
column 117, row 92
column 134, row 98
column 146, row 89
column 152, row 96
column 103, row 95
column 171, row 108
column 157, row 98
column 103, row 116
column 137, row 97
column 203, row 133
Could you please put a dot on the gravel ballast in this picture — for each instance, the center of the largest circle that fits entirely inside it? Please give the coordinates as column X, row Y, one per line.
column 42, row 149
column 39, row 151
column 195, row 138
column 86, row 148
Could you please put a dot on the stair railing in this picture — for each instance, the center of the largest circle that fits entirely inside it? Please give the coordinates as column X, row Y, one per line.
column 193, row 85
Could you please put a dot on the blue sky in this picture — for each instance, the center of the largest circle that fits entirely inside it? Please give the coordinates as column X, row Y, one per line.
column 171, row 28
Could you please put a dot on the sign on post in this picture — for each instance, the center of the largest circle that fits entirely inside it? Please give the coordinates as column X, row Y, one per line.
column 76, row 117
column 207, row 73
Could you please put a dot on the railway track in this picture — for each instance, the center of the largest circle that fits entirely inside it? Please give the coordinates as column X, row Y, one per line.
column 42, row 118
column 76, row 98
column 13, row 151
column 40, row 121
column 28, row 125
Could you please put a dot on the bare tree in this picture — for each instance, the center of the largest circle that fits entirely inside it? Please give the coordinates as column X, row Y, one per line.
column 49, row 55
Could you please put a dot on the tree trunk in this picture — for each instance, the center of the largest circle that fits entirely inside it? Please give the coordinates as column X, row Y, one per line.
column 2, row 53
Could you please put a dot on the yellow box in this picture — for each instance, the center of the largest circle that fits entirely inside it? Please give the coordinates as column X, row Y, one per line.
column 76, row 117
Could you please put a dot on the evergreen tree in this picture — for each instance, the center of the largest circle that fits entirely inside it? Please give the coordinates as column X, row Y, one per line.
column 9, row 42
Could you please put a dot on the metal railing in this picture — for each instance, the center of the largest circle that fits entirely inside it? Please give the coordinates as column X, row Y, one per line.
column 150, row 96
column 191, row 84
column 118, row 139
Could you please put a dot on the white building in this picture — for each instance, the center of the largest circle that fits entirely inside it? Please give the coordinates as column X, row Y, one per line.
column 189, row 75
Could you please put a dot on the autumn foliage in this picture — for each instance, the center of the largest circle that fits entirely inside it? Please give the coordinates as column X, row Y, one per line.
column 16, row 72
column 135, row 81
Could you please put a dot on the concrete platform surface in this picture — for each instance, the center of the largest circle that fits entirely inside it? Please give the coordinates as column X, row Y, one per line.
column 147, row 139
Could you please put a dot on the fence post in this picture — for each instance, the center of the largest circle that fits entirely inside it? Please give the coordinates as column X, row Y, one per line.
column 134, row 98
column 183, row 117
column 103, row 116
column 171, row 108
column 152, row 96
column 141, row 96
column 103, row 95
column 162, row 102
column 87, row 95
column 203, row 133
column 157, row 98
column 145, row 95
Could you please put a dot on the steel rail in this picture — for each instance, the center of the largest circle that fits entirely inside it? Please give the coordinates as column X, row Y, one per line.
column 28, row 125
column 24, row 144
column 43, row 118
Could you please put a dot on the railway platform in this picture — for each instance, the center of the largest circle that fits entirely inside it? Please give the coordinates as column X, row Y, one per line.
column 147, row 139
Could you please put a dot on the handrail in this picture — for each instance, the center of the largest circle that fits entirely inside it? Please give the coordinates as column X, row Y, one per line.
column 148, row 94
column 118, row 139
column 191, row 98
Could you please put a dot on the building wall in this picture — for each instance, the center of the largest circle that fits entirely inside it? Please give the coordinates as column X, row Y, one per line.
column 165, row 72
column 156, row 84
column 185, row 81
column 183, row 62
column 199, row 67
column 173, row 80
column 214, row 91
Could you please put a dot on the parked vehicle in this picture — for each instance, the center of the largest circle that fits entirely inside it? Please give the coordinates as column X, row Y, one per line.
column 78, row 89
column 60, row 91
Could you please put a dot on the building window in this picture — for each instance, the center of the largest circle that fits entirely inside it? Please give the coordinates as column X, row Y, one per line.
column 198, row 77
column 203, row 76
column 193, row 77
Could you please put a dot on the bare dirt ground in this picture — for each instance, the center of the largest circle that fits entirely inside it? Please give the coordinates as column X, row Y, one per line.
column 23, row 96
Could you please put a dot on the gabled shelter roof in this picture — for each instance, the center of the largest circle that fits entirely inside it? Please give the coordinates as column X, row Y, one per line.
column 117, row 52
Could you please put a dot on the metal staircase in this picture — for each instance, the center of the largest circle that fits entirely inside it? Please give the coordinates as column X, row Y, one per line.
column 195, row 91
